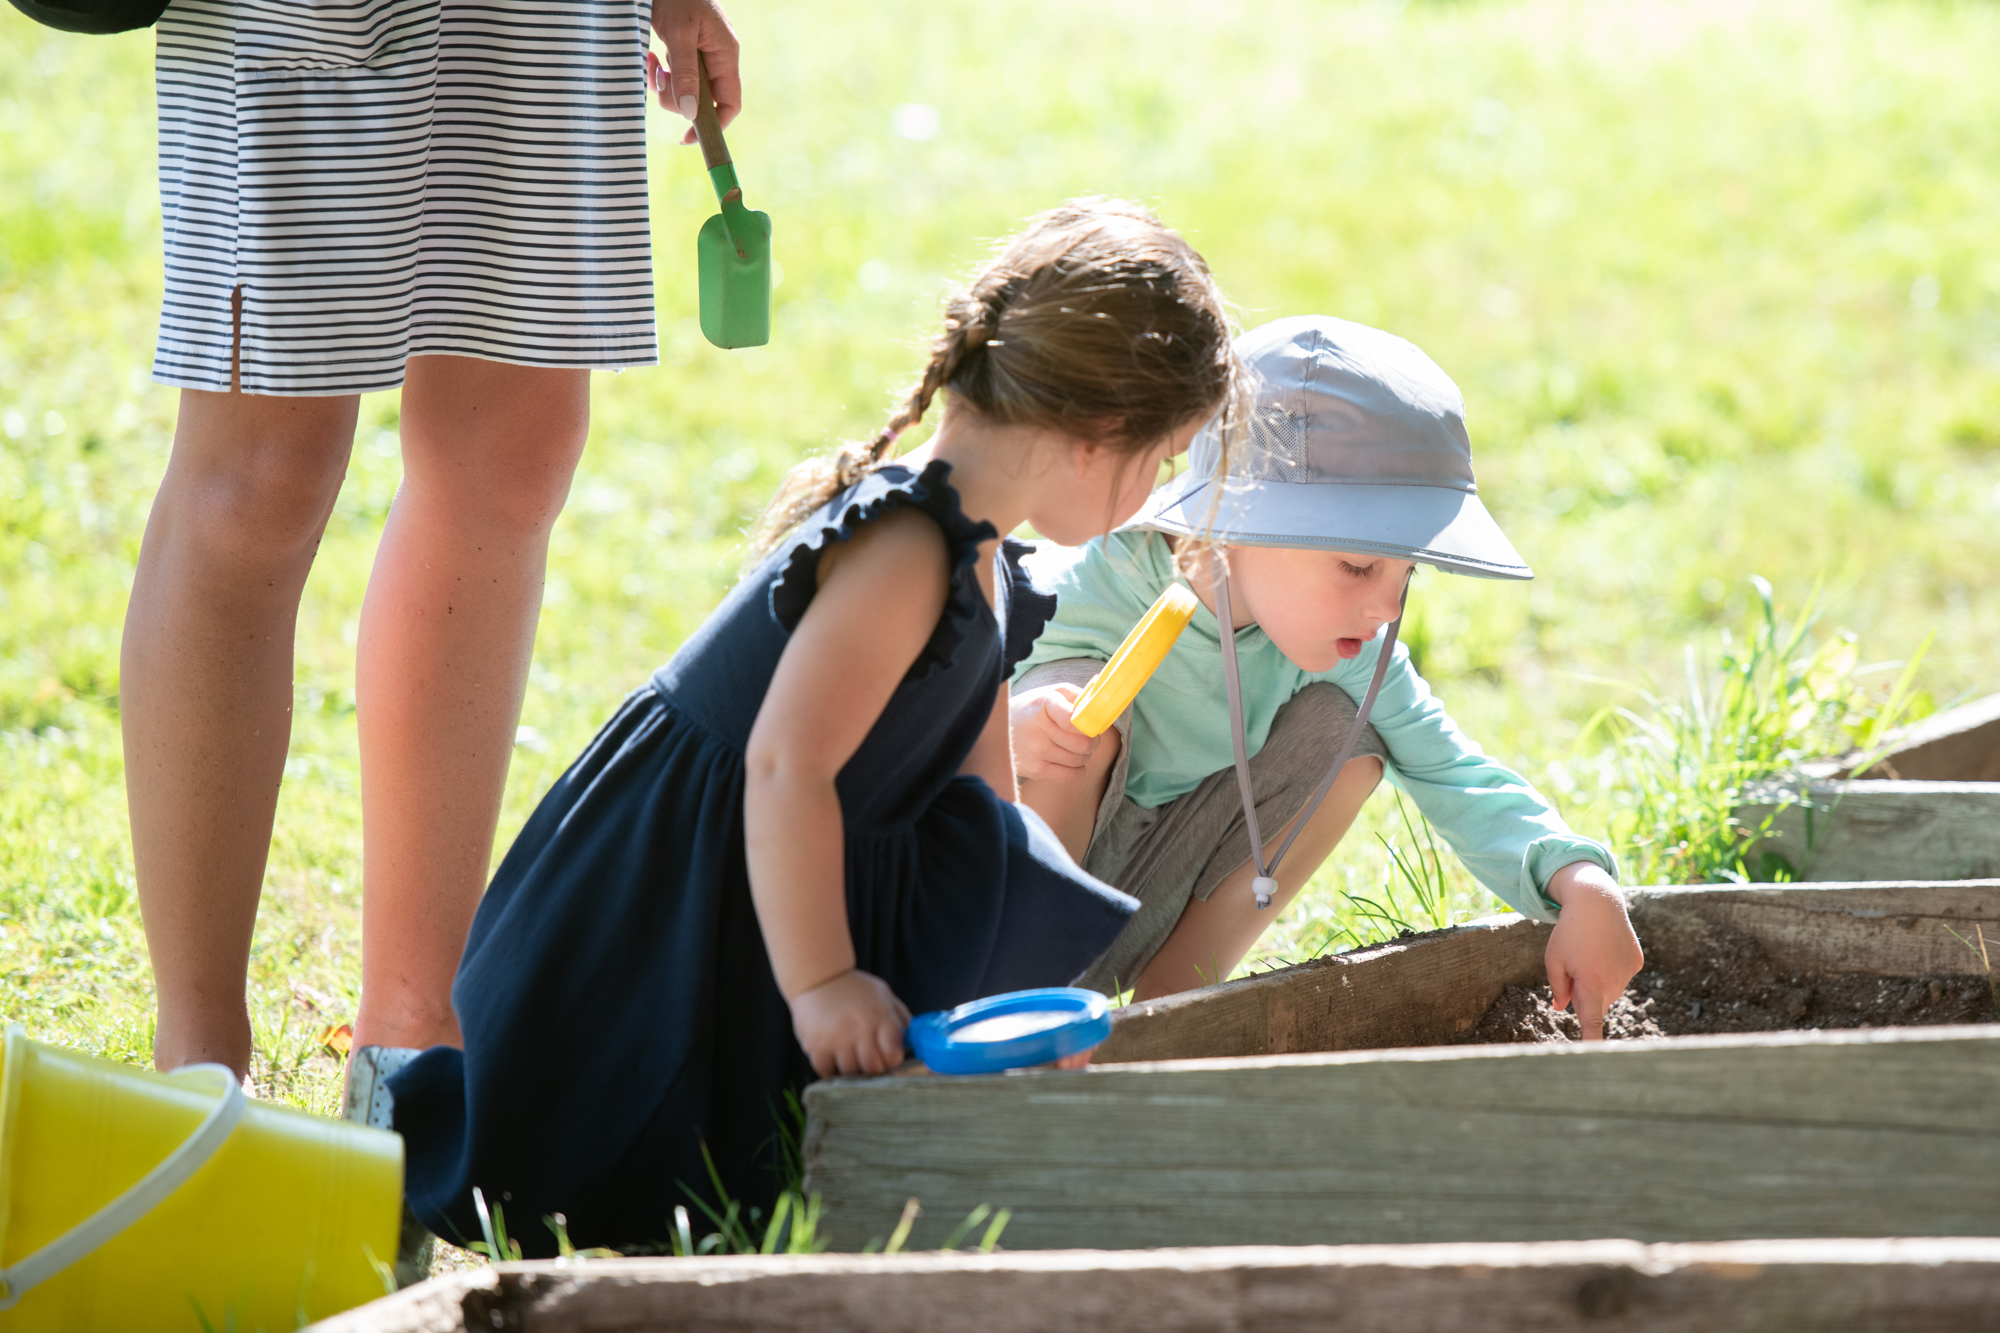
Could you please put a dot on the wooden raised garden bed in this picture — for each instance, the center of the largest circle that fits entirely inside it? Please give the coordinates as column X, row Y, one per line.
column 1266, row 1111
column 1929, row 808
column 1907, row 1285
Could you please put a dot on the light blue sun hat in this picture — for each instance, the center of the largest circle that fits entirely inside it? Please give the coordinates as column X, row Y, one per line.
column 1358, row 443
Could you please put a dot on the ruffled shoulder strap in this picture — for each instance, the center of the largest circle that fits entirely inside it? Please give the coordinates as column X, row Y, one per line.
column 1029, row 608
column 797, row 576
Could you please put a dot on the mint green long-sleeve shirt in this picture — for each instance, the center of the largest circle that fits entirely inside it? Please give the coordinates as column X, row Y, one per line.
column 1507, row 835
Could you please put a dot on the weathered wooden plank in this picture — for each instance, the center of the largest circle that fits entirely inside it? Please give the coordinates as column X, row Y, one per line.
column 1887, row 929
column 1958, row 745
column 1786, row 1134
column 1430, row 989
column 1412, row 992
column 1887, row 831
column 1602, row 1284
column 436, row 1306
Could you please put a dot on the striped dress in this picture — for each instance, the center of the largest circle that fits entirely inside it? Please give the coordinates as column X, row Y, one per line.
column 380, row 179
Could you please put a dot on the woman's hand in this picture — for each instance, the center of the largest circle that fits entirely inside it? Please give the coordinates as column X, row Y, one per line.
column 853, row 1024
column 685, row 27
column 1046, row 747
column 1593, row 952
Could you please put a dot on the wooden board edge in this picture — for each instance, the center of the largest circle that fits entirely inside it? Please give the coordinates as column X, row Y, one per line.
column 1273, row 1012
column 1280, row 1010
column 838, row 1088
column 436, row 1306
column 1547, row 1284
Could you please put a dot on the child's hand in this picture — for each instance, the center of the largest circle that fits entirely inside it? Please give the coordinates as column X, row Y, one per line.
column 853, row 1024
column 1046, row 746
column 1593, row 952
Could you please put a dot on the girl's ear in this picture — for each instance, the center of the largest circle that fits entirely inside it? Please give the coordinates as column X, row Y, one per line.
column 1092, row 442
column 1082, row 455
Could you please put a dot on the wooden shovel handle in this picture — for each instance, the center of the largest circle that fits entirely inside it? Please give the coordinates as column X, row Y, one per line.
column 714, row 152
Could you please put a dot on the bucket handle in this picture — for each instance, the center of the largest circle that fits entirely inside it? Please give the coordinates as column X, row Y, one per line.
column 87, row 1236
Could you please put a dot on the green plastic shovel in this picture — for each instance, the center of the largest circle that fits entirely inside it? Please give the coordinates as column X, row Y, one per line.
column 734, row 246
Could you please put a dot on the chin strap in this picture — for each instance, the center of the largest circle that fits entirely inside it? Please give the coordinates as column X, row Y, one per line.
column 1266, row 884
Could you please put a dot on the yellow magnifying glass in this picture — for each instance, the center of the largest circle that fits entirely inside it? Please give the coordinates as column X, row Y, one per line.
column 1114, row 687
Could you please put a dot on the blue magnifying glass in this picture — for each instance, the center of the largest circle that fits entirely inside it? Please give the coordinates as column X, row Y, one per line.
column 1011, row 1031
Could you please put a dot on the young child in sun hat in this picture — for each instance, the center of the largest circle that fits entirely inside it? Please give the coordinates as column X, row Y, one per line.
column 804, row 827
column 1357, row 468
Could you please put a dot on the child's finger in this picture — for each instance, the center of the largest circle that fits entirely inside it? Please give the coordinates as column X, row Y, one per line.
column 1076, row 1061
column 1061, row 707
column 1063, row 732
column 889, row 1042
column 1063, row 762
column 1591, row 1002
column 1559, row 986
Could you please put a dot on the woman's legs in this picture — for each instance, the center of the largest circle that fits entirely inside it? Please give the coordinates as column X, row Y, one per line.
column 1214, row 933
column 205, row 697
column 447, row 630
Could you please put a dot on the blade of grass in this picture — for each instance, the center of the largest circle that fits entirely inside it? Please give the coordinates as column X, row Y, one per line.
column 991, row 1239
column 902, row 1231
column 964, row 1229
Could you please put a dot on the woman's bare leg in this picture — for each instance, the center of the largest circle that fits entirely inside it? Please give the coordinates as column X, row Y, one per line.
column 205, row 694
column 1214, row 933
column 447, row 630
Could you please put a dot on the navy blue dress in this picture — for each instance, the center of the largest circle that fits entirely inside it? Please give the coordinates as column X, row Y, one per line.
column 616, row 999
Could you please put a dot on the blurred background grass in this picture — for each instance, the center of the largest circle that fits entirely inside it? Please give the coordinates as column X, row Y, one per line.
column 1717, row 279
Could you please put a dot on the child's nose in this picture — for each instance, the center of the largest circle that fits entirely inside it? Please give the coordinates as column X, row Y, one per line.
column 1385, row 603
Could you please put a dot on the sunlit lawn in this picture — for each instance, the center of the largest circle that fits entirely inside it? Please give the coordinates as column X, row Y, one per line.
column 1718, row 281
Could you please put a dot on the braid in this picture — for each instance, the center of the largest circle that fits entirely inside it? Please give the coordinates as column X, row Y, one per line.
column 969, row 326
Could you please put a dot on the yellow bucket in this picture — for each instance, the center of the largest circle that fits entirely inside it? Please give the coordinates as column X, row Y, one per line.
column 132, row 1201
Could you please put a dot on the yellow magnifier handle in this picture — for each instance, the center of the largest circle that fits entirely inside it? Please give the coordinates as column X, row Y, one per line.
column 1112, row 689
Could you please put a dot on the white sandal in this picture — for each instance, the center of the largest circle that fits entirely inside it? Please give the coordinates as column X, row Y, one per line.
column 365, row 1099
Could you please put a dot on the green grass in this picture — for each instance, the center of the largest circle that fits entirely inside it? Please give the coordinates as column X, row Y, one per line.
column 1680, row 767
column 1717, row 279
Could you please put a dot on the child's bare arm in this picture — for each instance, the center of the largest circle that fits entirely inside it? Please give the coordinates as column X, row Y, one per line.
column 1593, row 952
column 879, row 599
column 992, row 755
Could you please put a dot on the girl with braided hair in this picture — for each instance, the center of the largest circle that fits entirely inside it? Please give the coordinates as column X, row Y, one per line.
column 805, row 825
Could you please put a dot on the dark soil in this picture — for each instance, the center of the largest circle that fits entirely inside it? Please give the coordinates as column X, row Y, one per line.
column 1729, row 984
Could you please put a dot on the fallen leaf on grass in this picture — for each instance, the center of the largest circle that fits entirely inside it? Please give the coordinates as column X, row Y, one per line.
column 339, row 1040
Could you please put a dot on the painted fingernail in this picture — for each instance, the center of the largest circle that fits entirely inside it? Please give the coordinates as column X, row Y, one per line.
column 687, row 105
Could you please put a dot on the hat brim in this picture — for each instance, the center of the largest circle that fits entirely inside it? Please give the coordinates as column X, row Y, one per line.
column 1433, row 525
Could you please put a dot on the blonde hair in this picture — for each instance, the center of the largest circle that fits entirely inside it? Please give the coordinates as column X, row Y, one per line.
column 1096, row 320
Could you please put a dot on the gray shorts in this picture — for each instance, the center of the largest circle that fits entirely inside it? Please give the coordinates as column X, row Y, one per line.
column 1183, row 849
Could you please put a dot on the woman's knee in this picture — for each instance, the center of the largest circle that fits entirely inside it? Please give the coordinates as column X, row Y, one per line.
column 253, row 478
column 497, row 444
